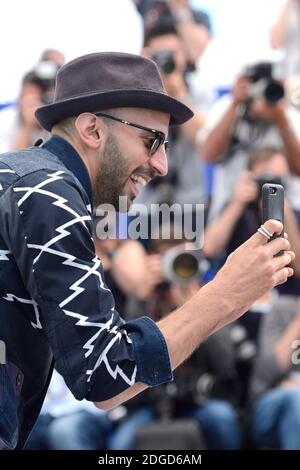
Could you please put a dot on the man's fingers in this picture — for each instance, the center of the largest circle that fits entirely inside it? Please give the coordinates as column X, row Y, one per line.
column 277, row 245
column 271, row 227
column 292, row 254
column 291, row 273
column 282, row 261
column 283, row 272
column 282, row 275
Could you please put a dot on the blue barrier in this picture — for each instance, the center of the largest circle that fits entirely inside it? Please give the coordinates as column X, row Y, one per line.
column 7, row 105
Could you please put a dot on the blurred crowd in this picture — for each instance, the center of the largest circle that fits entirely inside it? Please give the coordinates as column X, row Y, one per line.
column 241, row 389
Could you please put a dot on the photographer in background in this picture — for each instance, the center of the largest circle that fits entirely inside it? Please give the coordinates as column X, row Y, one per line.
column 185, row 182
column 164, row 45
column 240, row 219
column 248, row 119
column 37, row 89
column 205, row 387
column 242, row 215
column 193, row 25
column 275, row 385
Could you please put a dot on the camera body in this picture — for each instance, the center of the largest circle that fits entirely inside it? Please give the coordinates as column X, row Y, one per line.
column 165, row 61
column 263, row 82
column 269, row 178
column 44, row 76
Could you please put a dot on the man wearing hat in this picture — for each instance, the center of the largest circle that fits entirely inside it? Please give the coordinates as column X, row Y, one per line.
column 109, row 123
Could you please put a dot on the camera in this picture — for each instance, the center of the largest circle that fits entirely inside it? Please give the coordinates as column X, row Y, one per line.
column 268, row 177
column 165, row 60
column 263, row 82
column 44, row 75
column 182, row 266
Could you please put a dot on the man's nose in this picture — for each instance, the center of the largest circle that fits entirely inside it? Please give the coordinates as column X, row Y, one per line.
column 159, row 162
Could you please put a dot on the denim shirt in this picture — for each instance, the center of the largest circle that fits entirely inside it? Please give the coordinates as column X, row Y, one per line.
column 54, row 304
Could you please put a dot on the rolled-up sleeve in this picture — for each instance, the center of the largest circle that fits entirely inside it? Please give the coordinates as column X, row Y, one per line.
column 148, row 342
column 96, row 351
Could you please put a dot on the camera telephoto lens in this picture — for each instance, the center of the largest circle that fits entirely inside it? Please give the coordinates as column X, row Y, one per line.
column 165, row 60
column 185, row 266
column 274, row 91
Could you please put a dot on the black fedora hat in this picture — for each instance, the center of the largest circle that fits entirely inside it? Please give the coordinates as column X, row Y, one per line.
column 104, row 80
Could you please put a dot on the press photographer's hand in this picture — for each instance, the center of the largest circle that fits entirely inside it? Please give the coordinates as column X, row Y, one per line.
column 271, row 112
column 240, row 90
column 152, row 277
column 246, row 189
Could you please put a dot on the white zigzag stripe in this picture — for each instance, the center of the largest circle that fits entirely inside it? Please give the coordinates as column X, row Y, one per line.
column 118, row 370
column 3, row 255
column 5, row 171
column 60, row 201
column 83, row 322
column 70, row 261
column 75, row 287
column 36, row 189
column 89, row 346
column 12, row 297
column 63, row 233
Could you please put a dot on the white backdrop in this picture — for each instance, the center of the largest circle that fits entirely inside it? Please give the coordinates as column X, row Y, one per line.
column 81, row 26
column 75, row 27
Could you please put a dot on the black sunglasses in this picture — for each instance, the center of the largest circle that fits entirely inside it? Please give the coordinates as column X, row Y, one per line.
column 158, row 139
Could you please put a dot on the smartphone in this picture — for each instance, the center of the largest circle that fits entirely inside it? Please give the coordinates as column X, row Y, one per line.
column 273, row 205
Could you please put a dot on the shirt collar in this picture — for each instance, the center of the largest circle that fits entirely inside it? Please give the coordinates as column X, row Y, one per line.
column 71, row 159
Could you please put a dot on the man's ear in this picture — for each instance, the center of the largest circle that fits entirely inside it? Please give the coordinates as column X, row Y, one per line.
column 90, row 129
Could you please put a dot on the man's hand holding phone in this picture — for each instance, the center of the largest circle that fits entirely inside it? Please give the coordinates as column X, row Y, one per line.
column 253, row 269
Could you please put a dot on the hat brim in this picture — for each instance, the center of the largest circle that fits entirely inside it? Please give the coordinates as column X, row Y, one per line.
column 50, row 114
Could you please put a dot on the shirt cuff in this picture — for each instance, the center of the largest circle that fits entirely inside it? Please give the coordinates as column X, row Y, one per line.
column 150, row 352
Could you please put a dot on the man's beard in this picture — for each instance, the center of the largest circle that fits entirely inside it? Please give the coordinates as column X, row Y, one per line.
column 112, row 176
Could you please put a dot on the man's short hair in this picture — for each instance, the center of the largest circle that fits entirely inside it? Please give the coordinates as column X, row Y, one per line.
column 163, row 27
